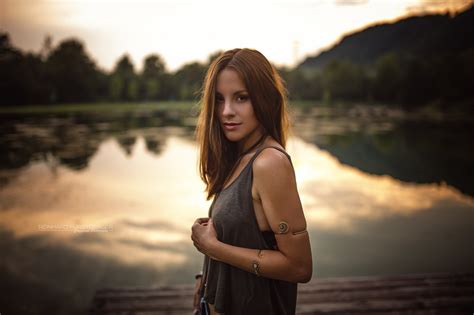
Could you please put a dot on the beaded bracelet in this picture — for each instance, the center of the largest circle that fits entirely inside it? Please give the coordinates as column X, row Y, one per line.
column 198, row 275
column 256, row 265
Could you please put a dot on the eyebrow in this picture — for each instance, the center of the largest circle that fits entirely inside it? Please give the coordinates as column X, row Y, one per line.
column 237, row 92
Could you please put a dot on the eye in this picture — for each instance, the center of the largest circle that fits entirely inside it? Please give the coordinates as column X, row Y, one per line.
column 242, row 98
column 219, row 99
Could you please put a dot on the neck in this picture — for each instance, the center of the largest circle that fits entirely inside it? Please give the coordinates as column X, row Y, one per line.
column 252, row 141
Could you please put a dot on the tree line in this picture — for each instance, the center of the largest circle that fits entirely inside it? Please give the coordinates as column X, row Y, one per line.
column 394, row 78
column 67, row 74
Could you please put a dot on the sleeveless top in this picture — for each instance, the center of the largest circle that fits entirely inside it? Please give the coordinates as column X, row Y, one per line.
column 233, row 290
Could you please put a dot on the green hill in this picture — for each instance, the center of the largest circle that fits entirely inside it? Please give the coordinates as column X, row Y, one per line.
column 417, row 36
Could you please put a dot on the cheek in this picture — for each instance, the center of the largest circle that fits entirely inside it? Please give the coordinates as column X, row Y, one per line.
column 251, row 114
column 246, row 110
column 218, row 112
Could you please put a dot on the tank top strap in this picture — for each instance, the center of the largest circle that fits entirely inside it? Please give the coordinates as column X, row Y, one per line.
column 270, row 146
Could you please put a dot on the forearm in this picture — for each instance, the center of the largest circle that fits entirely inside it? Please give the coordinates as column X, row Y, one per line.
column 272, row 263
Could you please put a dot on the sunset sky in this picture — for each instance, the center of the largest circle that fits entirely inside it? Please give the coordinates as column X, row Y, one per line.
column 181, row 31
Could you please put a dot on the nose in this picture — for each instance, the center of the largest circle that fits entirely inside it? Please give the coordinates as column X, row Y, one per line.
column 227, row 108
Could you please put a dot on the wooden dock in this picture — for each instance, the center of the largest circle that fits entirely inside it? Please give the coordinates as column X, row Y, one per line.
column 440, row 293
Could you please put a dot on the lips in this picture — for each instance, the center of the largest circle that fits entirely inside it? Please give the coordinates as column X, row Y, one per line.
column 231, row 125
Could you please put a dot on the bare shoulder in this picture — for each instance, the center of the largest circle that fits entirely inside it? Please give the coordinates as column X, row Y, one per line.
column 271, row 157
column 272, row 164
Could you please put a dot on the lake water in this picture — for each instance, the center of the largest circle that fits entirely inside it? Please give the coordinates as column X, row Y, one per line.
column 90, row 200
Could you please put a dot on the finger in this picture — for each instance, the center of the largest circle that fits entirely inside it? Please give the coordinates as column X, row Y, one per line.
column 198, row 221
column 195, row 228
column 199, row 249
column 201, row 220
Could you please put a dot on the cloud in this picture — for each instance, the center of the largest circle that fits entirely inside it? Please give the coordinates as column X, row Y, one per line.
column 452, row 6
column 151, row 225
column 351, row 2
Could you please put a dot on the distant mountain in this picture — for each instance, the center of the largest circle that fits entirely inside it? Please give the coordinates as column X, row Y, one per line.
column 417, row 35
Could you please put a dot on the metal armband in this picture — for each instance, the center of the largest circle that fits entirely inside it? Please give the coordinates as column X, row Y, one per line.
column 284, row 227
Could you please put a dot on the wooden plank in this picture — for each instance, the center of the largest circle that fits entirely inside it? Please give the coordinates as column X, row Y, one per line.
column 441, row 293
column 388, row 305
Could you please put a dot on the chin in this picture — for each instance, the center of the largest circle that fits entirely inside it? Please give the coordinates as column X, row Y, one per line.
column 233, row 137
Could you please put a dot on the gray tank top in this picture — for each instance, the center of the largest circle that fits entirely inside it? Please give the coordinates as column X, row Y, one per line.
column 233, row 290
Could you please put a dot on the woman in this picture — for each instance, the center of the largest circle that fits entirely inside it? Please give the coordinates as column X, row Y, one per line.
column 255, row 240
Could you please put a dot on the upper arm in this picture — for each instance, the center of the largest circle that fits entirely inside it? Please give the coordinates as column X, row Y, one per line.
column 275, row 184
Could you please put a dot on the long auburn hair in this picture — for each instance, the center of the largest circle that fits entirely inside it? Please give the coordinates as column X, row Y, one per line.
column 269, row 99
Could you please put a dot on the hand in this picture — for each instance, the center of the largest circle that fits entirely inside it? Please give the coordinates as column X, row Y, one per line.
column 197, row 296
column 202, row 220
column 204, row 235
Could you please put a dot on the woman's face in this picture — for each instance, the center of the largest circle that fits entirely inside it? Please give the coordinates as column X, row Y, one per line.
column 235, row 110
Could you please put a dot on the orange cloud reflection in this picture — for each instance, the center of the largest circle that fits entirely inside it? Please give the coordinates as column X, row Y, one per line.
column 334, row 194
column 139, row 208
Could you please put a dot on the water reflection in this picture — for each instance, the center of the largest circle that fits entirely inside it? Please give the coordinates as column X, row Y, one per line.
column 72, row 139
column 149, row 202
column 126, row 188
column 336, row 195
column 385, row 141
column 162, row 194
